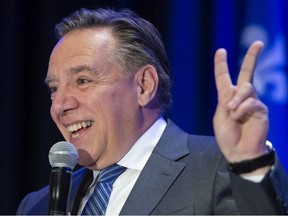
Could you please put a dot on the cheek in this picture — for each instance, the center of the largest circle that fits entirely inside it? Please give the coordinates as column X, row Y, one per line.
column 107, row 114
column 56, row 120
column 52, row 114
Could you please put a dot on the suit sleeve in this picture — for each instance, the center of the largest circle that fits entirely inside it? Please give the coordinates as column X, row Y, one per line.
column 20, row 210
column 265, row 198
column 34, row 203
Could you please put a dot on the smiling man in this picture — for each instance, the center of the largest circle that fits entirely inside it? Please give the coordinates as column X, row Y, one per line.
column 110, row 87
column 94, row 103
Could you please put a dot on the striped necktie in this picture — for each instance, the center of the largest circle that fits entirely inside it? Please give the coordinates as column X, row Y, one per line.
column 98, row 201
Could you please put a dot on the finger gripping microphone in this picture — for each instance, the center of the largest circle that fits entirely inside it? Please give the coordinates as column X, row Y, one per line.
column 63, row 157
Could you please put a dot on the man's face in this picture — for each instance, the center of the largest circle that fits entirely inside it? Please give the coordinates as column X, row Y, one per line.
column 93, row 104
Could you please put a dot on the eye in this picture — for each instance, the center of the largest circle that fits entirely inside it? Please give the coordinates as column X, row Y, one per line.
column 53, row 89
column 82, row 81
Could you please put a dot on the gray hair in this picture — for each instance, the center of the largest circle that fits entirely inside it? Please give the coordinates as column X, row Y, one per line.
column 138, row 42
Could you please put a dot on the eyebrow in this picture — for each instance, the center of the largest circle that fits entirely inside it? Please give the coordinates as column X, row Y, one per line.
column 72, row 70
column 80, row 68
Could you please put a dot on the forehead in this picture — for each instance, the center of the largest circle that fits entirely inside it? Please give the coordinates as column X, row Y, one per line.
column 91, row 47
column 86, row 42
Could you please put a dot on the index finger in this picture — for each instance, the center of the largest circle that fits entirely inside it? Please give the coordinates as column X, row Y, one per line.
column 249, row 63
column 221, row 71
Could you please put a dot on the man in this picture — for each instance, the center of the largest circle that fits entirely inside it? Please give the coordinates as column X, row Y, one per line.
column 110, row 86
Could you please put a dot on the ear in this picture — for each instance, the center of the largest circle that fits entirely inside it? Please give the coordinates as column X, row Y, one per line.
column 147, row 79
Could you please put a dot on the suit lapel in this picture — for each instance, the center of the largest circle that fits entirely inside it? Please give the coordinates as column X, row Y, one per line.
column 159, row 173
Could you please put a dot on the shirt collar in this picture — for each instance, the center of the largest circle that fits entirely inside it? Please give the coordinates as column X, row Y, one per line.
column 140, row 152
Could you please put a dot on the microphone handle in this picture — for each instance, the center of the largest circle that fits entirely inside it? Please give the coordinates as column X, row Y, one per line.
column 60, row 184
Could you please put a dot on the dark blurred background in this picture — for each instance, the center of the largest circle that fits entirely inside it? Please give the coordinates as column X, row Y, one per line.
column 192, row 30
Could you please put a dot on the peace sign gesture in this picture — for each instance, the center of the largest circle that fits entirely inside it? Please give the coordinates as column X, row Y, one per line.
column 241, row 119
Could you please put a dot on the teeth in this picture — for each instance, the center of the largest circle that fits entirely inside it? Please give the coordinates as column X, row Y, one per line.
column 75, row 135
column 75, row 127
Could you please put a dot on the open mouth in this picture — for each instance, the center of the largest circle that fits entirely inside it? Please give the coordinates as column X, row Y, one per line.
column 77, row 127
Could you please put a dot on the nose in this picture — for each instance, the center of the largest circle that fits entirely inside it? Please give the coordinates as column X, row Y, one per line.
column 63, row 102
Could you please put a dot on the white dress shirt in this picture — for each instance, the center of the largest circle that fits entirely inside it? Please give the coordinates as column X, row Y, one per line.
column 134, row 161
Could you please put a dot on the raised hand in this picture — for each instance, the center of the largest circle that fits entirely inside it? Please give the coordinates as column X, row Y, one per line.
column 241, row 119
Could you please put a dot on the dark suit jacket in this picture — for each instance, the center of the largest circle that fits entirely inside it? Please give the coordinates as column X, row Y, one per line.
column 185, row 174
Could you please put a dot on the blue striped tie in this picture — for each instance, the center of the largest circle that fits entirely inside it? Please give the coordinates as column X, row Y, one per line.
column 99, row 199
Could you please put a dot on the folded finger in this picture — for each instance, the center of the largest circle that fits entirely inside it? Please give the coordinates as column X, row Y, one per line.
column 251, row 107
column 243, row 92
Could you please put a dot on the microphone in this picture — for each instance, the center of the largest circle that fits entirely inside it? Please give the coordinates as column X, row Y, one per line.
column 63, row 157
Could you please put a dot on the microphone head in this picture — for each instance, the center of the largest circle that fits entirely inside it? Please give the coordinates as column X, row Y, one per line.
column 63, row 154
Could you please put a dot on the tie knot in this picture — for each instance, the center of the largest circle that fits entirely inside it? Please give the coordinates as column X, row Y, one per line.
column 110, row 173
